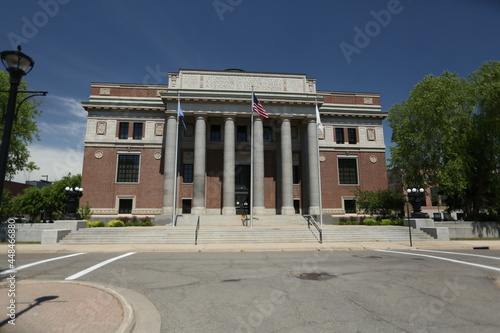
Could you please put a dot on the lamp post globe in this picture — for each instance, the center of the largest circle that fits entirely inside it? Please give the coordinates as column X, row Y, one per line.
column 17, row 64
column 74, row 194
column 416, row 198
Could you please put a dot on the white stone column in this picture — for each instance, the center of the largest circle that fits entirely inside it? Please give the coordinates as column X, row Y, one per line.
column 228, row 187
column 312, row 154
column 258, row 165
column 286, row 169
column 199, row 168
column 169, row 165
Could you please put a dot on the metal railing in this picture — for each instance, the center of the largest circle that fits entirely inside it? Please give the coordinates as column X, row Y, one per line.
column 311, row 221
column 196, row 231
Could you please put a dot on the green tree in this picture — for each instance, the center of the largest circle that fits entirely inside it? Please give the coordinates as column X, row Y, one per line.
column 447, row 135
column 52, row 199
column 381, row 202
column 29, row 203
column 7, row 210
column 484, row 145
column 55, row 199
column 24, row 129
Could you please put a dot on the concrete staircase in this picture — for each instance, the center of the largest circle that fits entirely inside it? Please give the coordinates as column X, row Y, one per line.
column 235, row 235
column 353, row 233
column 239, row 220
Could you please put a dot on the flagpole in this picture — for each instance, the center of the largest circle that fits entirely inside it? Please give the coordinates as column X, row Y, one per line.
column 174, row 210
column 319, row 168
column 251, row 164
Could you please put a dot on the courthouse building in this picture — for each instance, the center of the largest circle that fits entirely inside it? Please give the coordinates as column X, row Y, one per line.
column 131, row 149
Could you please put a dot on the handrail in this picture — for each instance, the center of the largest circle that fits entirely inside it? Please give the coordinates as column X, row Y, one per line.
column 310, row 220
column 196, row 232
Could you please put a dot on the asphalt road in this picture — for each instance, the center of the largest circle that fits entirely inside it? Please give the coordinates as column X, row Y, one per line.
column 313, row 291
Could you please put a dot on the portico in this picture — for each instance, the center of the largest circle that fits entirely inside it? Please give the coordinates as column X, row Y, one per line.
column 220, row 118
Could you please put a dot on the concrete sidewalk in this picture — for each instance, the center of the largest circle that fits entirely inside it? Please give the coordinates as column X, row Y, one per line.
column 431, row 244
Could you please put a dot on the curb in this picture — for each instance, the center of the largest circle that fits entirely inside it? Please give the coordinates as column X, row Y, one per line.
column 139, row 313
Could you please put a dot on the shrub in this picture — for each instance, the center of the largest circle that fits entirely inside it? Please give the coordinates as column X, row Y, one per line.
column 116, row 223
column 398, row 222
column 147, row 224
column 346, row 221
column 385, row 222
column 95, row 224
column 85, row 211
column 370, row 222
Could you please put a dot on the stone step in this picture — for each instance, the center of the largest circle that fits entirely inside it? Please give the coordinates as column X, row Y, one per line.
column 231, row 235
column 240, row 220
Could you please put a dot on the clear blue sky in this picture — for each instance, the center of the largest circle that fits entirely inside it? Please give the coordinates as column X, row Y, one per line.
column 75, row 42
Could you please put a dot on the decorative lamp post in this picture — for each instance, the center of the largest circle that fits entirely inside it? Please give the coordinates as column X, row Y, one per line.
column 416, row 197
column 18, row 65
column 74, row 194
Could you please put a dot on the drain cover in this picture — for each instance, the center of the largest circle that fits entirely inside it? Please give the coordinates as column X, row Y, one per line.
column 315, row 276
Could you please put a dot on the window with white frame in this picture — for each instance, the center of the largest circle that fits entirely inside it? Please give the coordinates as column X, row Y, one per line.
column 348, row 171
column 128, row 168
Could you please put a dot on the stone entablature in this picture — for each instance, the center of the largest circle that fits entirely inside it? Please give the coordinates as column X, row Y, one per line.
column 242, row 81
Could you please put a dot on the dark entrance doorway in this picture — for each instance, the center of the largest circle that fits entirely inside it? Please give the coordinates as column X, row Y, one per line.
column 242, row 189
column 242, row 204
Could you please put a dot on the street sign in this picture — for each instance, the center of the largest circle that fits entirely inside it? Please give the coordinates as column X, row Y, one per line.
column 408, row 209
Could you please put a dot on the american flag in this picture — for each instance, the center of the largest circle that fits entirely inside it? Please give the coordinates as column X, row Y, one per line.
column 257, row 107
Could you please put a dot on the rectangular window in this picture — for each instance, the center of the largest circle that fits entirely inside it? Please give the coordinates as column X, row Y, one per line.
column 348, row 171
column 295, row 171
column 123, row 133
column 215, row 133
column 138, row 131
column 350, row 206
column 186, row 206
column 128, row 168
column 242, row 177
column 125, row 206
column 187, row 177
column 241, row 134
column 351, row 136
column 339, row 135
column 268, row 134
column 434, row 196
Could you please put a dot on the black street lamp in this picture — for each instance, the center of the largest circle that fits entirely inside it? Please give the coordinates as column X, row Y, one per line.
column 416, row 198
column 74, row 194
column 17, row 64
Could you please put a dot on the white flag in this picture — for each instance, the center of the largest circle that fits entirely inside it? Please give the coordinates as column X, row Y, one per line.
column 321, row 128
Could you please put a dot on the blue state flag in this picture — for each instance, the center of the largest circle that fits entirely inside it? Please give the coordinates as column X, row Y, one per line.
column 181, row 114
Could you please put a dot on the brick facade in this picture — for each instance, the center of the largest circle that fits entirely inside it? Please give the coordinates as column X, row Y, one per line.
column 357, row 116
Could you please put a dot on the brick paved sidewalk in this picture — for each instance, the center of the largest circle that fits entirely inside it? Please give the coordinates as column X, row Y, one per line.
column 61, row 307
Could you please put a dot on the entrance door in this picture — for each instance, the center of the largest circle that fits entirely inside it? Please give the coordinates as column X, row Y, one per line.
column 242, row 186
column 242, row 203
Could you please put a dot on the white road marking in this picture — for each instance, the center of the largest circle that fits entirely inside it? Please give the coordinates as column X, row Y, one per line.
column 90, row 269
column 445, row 259
column 10, row 271
column 460, row 254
